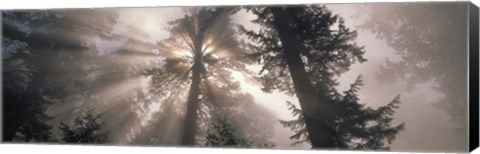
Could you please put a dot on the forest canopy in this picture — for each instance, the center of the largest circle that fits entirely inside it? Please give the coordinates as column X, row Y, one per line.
column 238, row 76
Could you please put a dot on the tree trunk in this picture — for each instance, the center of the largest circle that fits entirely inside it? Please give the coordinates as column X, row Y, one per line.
column 190, row 125
column 312, row 105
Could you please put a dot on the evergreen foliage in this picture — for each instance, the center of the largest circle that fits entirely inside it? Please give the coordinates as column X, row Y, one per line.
column 326, row 48
column 37, row 47
column 86, row 128
column 223, row 135
column 356, row 126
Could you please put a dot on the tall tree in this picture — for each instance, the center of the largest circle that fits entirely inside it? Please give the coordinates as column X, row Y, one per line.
column 197, row 44
column 48, row 40
column 314, row 46
column 302, row 40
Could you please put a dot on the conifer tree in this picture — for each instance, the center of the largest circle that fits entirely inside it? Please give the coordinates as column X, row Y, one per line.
column 38, row 46
column 202, row 44
column 223, row 134
column 356, row 126
column 86, row 128
column 302, row 49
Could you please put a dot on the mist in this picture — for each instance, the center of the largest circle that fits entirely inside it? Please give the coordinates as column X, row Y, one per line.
column 136, row 68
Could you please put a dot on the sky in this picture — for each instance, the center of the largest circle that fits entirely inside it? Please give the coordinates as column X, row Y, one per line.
column 427, row 128
column 425, row 125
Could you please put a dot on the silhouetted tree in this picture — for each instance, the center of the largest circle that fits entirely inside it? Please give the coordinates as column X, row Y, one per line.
column 356, row 126
column 201, row 44
column 42, row 43
column 311, row 45
column 314, row 45
column 86, row 128
column 223, row 134
column 36, row 130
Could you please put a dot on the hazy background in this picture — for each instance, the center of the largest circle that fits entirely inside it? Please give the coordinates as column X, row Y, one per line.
column 427, row 128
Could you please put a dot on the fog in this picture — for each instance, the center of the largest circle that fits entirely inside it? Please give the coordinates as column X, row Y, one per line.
column 154, row 120
column 428, row 128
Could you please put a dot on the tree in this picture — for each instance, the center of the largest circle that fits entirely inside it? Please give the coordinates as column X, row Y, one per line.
column 35, row 129
column 197, row 45
column 84, row 129
column 303, row 40
column 431, row 41
column 223, row 134
column 41, row 43
column 61, row 47
column 356, row 126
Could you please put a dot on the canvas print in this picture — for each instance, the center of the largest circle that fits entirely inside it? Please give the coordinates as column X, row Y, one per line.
column 358, row 76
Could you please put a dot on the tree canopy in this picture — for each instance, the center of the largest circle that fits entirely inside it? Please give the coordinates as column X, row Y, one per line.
column 87, row 76
column 325, row 47
column 36, row 42
column 84, row 129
